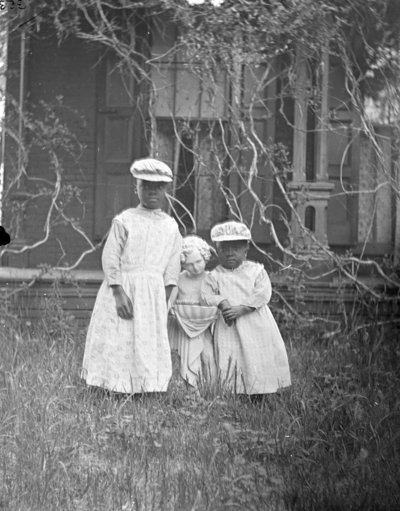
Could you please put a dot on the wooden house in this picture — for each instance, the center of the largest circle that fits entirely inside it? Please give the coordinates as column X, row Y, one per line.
column 335, row 166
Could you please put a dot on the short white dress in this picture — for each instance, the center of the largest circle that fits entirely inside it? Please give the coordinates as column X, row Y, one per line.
column 142, row 253
column 251, row 354
column 189, row 331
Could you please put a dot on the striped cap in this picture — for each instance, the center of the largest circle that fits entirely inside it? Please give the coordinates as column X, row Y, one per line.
column 150, row 169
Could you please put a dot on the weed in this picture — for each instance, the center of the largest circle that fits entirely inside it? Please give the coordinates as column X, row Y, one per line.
column 330, row 441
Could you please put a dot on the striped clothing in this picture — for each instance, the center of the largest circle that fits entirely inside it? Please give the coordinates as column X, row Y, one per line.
column 251, row 354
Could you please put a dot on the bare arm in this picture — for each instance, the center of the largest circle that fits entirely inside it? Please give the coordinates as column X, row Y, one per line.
column 168, row 291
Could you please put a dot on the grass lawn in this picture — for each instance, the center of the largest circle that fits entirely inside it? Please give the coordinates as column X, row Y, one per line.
column 329, row 442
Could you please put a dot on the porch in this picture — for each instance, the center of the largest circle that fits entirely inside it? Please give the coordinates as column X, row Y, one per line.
column 29, row 288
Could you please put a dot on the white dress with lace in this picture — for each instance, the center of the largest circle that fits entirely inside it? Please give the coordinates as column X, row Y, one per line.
column 142, row 253
column 251, row 354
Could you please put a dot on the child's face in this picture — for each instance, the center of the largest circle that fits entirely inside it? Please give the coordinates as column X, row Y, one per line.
column 194, row 263
column 151, row 193
column 231, row 254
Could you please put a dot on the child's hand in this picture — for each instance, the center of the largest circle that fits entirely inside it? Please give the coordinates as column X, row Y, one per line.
column 234, row 312
column 226, row 309
column 230, row 315
column 225, row 306
column 123, row 303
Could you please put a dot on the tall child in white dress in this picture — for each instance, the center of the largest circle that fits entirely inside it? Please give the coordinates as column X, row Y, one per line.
column 189, row 326
column 127, row 348
column 250, row 351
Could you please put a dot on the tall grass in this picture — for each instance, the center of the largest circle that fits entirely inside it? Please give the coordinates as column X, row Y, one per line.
column 329, row 442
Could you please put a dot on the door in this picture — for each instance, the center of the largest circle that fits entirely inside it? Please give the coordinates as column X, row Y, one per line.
column 120, row 140
column 343, row 162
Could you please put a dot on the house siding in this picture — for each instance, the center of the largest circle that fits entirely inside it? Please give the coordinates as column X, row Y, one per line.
column 68, row 70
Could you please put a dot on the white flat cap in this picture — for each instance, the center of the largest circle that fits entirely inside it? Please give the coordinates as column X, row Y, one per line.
column 150, row 169
column 230, row 231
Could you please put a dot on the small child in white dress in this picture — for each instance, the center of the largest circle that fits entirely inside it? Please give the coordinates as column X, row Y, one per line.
column 127, row 348
column 250, row 352
column 189, row 324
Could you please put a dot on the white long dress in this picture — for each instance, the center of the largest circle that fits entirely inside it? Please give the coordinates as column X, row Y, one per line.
column 142, row 253
column 251, row 354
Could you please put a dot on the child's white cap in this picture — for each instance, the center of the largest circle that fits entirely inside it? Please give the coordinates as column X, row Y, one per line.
column 230, row 231
column 150, row 169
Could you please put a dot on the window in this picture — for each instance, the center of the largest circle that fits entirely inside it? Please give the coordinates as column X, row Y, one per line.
column 309, row 220
column 195, row 153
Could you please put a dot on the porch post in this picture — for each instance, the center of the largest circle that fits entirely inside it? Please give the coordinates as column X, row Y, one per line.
column 19, row 194
column 323, row 123
column 397, row 213
column 387, row 217
column 300, row 117
column 384, row 211
column 311, row 197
